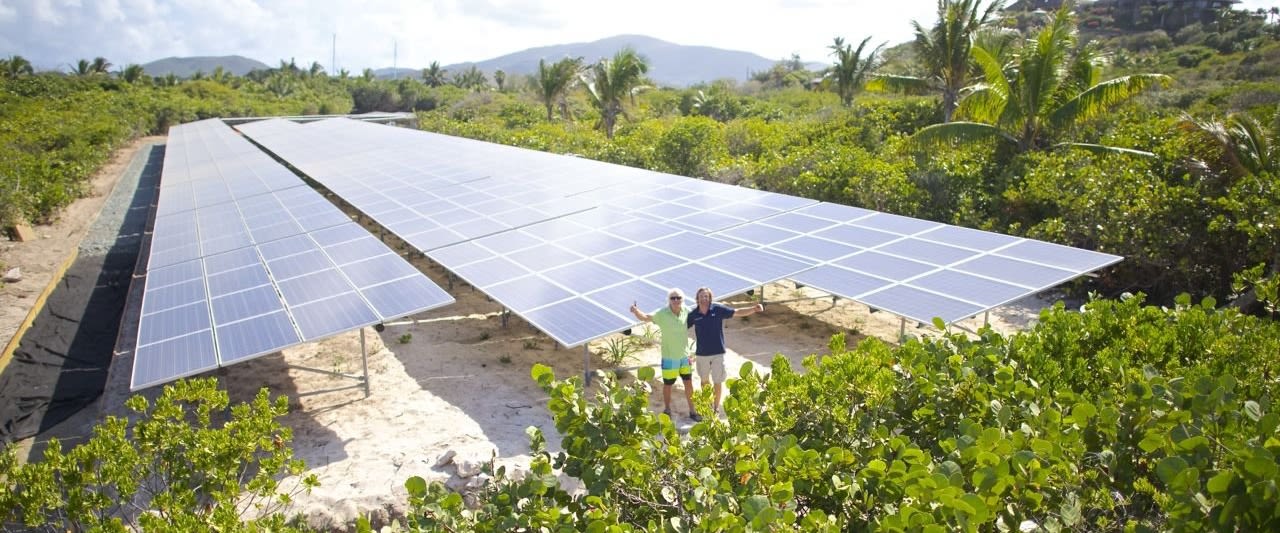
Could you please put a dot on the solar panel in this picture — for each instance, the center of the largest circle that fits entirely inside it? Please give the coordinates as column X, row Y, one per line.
column 539, row 232
column 246, row 261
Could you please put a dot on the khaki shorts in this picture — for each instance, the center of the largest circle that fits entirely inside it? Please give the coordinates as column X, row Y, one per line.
column 711, row 366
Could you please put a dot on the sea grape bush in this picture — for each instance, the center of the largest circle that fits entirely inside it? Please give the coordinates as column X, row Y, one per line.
column 1120, row 417
column 189, row 462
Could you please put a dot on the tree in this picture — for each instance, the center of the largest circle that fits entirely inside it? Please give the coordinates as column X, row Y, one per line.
column 16, row 66
column 190, row 462
column 945, row 50
column 851, row 68
column 316, row 69
column 499, row 78
column 471, row 78
column 132, row 73
column 554, row 81
column 1243, row 145
column 82, row 68
column 1046, row 89
column 435, row 76
column 100, row 65
column 611, row 80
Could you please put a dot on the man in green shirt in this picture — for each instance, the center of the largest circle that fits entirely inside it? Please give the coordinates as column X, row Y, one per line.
column 675, row 348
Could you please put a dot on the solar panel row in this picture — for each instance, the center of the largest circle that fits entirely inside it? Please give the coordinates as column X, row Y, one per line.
column 568, row 243
column 267, row 264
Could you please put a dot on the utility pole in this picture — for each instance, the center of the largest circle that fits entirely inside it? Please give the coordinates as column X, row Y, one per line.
column 333, row 62
column 395, row 74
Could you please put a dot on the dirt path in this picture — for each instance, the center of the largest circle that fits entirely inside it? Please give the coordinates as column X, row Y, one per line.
column 40, row 259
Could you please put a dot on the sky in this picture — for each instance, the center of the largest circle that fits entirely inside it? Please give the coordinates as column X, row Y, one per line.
column 54, row 34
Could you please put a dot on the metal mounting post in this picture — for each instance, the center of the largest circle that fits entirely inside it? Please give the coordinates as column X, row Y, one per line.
column 586, row 364
column 364, row 363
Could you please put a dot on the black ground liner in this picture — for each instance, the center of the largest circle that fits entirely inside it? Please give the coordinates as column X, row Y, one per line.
column 61, row 363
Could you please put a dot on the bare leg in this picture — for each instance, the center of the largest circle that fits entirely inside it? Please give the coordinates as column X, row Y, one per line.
column 666, row 397
column 715, row 406
column 688, row 394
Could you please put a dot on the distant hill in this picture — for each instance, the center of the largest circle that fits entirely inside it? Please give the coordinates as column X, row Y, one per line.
column 669, row 63
column 185, row 67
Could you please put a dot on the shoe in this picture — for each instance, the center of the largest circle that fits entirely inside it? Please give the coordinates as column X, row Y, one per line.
column 668, row 413
column 695, row 417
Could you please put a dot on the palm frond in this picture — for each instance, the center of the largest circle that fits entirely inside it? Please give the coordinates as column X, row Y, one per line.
column 940, row 135
column 899, row 83
column 1102, row 149
column 1097, row 99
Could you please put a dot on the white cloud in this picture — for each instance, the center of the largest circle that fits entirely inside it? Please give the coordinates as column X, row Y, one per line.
column 58, row 32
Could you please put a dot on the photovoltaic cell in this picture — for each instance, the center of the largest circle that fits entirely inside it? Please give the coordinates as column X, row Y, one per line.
column 573, row 322
column 929, row 252
column 691, row 246
column 526, row 293
column 815, row 248
column 248, row 338
column 640, row 260
column 405, row 296
column 985, row 292
column 585, row 276
column 885, row 266
column 844, row 282
column 331, row 316
column 691, row 276
column 1031, row 275
column 619, row 298
column 757, row 266
column 920, row 305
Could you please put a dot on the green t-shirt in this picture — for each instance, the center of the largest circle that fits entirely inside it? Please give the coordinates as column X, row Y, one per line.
column 675, row 335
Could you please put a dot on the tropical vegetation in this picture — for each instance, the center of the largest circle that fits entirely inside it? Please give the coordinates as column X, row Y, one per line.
column 1147, row 135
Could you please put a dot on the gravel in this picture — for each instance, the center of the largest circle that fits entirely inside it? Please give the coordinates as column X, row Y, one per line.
column 123, row 219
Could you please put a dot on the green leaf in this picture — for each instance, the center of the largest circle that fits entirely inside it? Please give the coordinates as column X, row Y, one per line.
column 645, row 373
column 1152, row 442
column 1260, row 467
column 1169, row 468
column 417, row 486
column 938, row 323
column 754, row 505
column 1082, row 412
column 1220, row 483
column 542, row 374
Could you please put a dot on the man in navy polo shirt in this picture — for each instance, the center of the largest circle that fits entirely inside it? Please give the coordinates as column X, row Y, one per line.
column 707, row 321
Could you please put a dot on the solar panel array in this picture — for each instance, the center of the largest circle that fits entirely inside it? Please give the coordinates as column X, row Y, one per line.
column 569, row 243
column 245, row 260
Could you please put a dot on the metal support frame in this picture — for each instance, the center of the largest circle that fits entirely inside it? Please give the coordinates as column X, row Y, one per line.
column 586, row 364
column 902, row 329
column 505, row 313
column 364, row 367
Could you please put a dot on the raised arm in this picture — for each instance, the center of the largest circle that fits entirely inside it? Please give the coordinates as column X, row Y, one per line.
column 640, row 315
column 749, row 310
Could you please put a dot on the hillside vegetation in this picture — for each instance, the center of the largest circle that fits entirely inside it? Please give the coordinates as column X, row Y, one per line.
column 1152, row 408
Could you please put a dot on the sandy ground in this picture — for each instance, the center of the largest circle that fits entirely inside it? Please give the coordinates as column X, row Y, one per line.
column 455, row 380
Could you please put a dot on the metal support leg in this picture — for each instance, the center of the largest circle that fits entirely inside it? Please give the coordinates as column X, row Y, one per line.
column 586, row 364
column 902, row 330
column 762, row 296
column 986, row 319
column 364, row 363
column 504, row 317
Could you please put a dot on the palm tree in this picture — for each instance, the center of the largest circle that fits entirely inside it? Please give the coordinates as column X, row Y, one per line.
column 471, row 78
column 499, row 78
column 611, row 80
column 851, row 68
column 82, row 68
column 316, row 69
column 132, row 72
column 434, row 76
column 1244, row 146
column 100, row 65
column 1045, row 88
column 945, row 51
column 553, row 82
column 15, row 66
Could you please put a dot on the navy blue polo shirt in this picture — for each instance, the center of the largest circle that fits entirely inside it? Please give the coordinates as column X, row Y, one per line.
column 709, row 328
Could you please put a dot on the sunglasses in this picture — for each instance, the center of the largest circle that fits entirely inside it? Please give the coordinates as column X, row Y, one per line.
column 674, row 298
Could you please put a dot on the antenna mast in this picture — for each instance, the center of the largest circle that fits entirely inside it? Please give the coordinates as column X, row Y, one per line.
column 333, row 62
